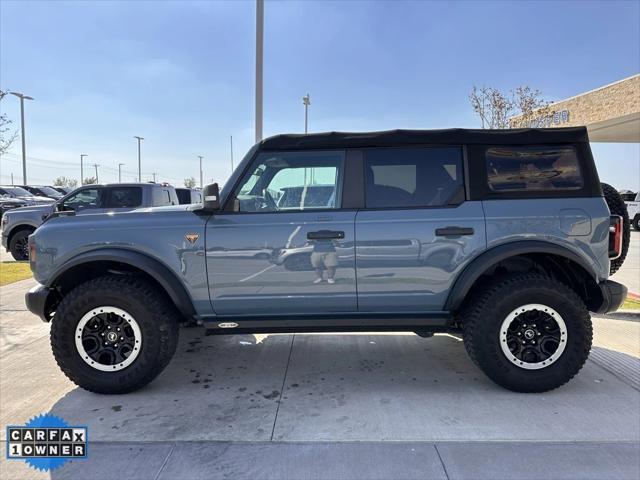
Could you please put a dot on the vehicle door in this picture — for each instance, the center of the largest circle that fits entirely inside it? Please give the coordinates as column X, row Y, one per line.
column 297, row 258
column 416, row 231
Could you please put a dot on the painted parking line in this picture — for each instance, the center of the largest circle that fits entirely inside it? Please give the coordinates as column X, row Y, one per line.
column 257, row 273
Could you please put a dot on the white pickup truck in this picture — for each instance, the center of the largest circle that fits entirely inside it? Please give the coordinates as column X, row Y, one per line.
column 633, row 208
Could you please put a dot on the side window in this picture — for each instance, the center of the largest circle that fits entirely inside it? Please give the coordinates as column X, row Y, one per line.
column 123, row 197
column 83, row 199
column 292, row 181
column 415, row 177
column 533, row 168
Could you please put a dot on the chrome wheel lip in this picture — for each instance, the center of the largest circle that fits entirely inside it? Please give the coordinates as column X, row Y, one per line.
column 537, row 365
column 87, row 358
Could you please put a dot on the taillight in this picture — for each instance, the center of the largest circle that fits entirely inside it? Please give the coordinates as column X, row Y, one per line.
column 615, row 236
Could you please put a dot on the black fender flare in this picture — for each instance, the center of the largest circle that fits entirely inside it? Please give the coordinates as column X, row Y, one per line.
column 494, row 255
column 163, row 275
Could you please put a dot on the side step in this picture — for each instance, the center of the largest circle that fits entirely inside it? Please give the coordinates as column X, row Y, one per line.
column 437, row 322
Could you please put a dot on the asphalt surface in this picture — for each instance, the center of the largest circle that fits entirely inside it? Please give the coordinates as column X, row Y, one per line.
column 331, row 406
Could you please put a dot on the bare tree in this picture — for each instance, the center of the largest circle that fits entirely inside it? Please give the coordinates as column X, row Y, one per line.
column 7, row 134
column 500, row 110
column 65, row 182
column 190, row 182
column 90, row 180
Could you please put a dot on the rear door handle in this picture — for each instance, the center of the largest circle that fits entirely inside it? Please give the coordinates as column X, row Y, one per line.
column 325, row 235
column 453, row 231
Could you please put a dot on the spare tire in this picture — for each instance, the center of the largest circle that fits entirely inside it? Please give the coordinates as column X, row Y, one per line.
column 618, row 207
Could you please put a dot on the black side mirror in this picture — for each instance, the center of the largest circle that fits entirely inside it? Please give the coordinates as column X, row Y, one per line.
column 210, row 198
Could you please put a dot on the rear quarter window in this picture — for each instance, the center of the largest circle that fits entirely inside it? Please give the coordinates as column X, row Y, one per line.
column 533, row 168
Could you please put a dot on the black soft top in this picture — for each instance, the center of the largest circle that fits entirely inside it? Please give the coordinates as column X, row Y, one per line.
column 450, row 136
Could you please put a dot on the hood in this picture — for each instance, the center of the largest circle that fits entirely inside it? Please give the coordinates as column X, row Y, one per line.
column 36, row 200
column 12, row 201
column 33, row 209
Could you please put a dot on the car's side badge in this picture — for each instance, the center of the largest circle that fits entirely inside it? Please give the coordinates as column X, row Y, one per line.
column 192, row 237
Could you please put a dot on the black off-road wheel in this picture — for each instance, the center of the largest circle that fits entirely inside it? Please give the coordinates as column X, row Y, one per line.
column 527, row 332
column 636, row 223
column 616, row 205
column 19, row 245
column 114, row 334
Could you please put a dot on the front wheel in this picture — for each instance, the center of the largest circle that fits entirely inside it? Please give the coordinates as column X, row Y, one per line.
column 114, row 334
column 528, row 332
column 19, row 245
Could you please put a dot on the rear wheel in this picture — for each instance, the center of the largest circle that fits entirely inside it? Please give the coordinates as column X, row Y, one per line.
column 636, row 222
column 19, row 245
column 527, row 332
column 616, row 205
column 114, row 334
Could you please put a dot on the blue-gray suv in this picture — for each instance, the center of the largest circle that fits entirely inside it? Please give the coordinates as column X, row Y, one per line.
column 505, row 237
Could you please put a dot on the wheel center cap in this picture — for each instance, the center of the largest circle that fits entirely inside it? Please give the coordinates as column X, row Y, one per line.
column 112, row 336
column 529, row 334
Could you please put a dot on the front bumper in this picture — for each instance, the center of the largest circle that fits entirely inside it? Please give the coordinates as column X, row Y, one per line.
column 37, row 300
column 613, row 295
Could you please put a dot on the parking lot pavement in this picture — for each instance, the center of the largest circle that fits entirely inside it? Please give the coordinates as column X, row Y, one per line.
column 629, row 273
column 330, row 406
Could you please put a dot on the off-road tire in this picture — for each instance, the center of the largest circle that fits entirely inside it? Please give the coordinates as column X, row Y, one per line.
column 618, row 207
column 636, row 222
column 18, row 245
column 482, row 316
column 156, row 317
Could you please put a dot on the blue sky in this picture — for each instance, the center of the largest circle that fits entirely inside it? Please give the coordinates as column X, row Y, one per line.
column 181, row 74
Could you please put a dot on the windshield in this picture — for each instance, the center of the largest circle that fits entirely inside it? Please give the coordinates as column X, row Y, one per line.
column 50, row 191
column 17, row 191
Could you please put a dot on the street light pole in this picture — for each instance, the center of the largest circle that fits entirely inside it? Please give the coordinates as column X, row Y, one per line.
column 120, row 172
column 139, row 161
column 259, row 51
column 200, row 157
column 154, row 177
column 231, row 153
column 96, row 167
column 22, row 98
column 306, row 100
column 82, row 168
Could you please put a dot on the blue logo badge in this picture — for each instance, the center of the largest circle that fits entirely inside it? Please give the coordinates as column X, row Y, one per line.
column 46, row 442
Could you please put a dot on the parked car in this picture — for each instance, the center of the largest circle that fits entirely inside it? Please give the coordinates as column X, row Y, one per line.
column 633, row 209
column 64, row 190
column 8, row 203
column 504, row 237
column 187, row 196
column 22, row 194
column 43, row 191
column 19, row 224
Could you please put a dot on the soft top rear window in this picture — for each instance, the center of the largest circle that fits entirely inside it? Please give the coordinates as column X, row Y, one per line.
column 533, row 168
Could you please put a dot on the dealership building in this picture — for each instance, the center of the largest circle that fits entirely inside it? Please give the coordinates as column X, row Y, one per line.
column 611, row 113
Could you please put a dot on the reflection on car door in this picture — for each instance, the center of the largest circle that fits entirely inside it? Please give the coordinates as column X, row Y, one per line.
column 297, row 259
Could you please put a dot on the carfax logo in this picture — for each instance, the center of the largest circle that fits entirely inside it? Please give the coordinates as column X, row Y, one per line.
column 46, row 442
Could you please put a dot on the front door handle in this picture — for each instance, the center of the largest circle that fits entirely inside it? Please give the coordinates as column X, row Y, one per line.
column 325, row 235
column 453, row 231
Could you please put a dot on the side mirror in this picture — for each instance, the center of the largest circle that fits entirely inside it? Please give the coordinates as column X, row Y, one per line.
column 210, row 198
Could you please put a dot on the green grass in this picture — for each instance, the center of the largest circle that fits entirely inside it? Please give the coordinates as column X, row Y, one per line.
column 11, row 272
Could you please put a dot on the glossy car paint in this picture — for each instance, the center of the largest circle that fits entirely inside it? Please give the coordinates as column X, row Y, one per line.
column 579, row 224
column 403, row 266
column 160, row 233
column 246, row 277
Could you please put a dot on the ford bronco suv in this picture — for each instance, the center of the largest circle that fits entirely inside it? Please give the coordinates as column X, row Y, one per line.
column 502, row 236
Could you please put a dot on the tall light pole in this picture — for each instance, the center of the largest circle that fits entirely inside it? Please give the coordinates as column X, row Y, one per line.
column 96, row 167
column 120, row 172
column 139, row 161
column 82, row 168
column 231, row 153
column 22, row 98
column 200, row 157
column 306, row 100
column 154, row 177
column 259, row 50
